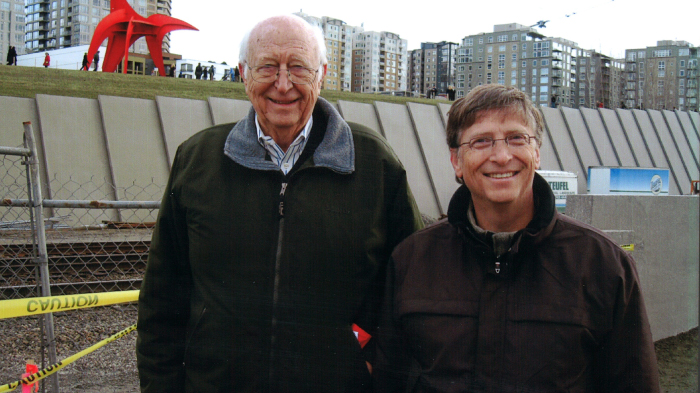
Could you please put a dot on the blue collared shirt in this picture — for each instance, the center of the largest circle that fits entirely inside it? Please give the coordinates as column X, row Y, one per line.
column 284, row 160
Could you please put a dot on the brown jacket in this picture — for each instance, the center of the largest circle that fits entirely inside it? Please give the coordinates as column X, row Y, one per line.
column 563, row 314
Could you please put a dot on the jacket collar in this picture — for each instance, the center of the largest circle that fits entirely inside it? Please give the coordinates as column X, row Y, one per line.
column 539, row 227
column 335, row 151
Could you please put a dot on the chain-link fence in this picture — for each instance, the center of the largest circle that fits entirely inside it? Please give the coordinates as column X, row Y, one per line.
column 84, row 242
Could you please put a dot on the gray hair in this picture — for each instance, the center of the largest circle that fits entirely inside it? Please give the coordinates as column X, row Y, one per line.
column 317, row 33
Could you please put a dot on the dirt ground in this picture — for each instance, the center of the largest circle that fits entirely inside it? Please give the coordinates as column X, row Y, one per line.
column 112, row 368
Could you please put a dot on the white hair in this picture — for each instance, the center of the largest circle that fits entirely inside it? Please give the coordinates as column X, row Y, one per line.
column 317, row 33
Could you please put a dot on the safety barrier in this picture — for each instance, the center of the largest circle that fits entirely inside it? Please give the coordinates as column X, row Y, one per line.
column 41, row 305
column 33, row 306
column 93, row 241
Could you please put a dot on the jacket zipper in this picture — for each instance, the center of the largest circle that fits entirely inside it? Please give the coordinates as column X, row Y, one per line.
column 275, row 292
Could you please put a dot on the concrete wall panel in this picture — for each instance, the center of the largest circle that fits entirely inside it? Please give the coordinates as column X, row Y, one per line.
column 360, row 113
column 431, row 135
column 136, row 150
column 634, row 136
column 14, row 111
column 695, row 119
column 181, row 118
column 653, row 145
column 396, row 123
column 600, row 137
column 666, row 250
column 226, row 110
column 670, row 148
column 564, row 147
column 688, row 156
column 444, row 110
column 690, row 133
column 581, row 138
column 548, row 157
column 76, row 154
column 618, row 138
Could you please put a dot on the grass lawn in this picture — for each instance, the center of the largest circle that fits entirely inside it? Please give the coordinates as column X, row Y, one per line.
column 678, row 356
column 29, row 81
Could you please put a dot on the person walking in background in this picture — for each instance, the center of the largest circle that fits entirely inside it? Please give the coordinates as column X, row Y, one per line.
column 205, row 73
column 236, row 74
column 11, row 56
column 47, row 60
column 85, row 62
column 506, row 294
column 272, row 237
column 198, row 71
column 96, row 60
column 211, row 72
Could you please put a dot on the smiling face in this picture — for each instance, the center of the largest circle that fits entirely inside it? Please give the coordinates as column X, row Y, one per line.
column 283, row 108
column 501, row 177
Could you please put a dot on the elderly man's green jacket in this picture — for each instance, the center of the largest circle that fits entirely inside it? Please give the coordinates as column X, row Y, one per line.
column 254, row 278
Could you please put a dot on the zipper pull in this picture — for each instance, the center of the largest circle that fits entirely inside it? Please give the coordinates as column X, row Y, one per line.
column 281, row 205
column 498, row 267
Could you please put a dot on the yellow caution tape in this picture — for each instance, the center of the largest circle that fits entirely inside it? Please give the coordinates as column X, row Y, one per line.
column 43, row 305
column 627, row 247
column 41, row 374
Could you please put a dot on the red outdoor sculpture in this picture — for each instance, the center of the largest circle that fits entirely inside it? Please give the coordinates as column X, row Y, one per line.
column 123, row 26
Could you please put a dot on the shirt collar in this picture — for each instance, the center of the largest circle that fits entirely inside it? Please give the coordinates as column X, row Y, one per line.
column 303, row 134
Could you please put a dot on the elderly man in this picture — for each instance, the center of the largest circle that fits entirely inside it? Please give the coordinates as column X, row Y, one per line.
column 272, row 237
column 506, row 294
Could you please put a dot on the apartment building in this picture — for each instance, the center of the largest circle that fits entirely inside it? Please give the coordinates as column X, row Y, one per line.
column 664, row 76
column 517, row 55
column 12, row 20
column 379, row 62
column 599, row 81
column 432, row 66
column 56, row 24
column 338, row 36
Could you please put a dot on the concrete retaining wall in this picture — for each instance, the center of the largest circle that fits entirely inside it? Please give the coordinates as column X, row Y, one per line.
column 109, row 131
column 128, row 141
column 664, row 232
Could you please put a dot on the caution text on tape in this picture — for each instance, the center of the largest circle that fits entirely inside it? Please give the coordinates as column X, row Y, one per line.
column 41, row 305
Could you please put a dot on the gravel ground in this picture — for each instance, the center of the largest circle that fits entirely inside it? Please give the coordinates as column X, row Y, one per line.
column 112, row 368
column 109, row 369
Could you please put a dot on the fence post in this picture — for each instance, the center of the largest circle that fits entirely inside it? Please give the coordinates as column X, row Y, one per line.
column 42, row 260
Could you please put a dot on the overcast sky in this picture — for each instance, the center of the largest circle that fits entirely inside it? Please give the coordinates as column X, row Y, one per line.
column 607, row 26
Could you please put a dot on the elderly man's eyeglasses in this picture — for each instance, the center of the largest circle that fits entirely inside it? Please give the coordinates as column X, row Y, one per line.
column 484, row 143
column 296, row 74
